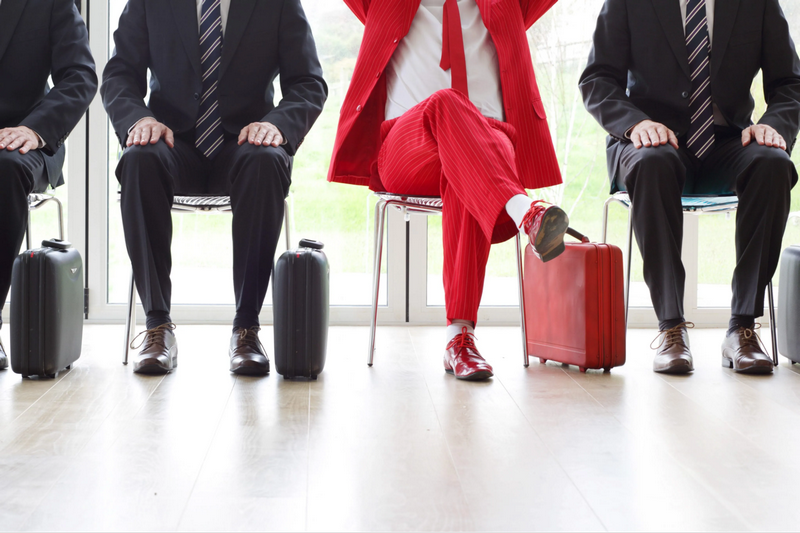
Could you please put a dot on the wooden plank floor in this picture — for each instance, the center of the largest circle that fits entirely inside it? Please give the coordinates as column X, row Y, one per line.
column 400, row 446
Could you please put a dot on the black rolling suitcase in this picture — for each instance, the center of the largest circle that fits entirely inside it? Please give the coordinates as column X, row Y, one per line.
column 789, row 305
column 300, row 292
column 46, row 309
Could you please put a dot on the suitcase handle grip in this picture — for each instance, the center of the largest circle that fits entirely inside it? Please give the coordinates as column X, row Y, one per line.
column 314, row 245
column 580, row 236
column 57, row 244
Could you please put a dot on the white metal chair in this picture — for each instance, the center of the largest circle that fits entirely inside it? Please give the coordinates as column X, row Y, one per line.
column 422, row 205
column 188, row 204
column 37, row 201
column 691, row 204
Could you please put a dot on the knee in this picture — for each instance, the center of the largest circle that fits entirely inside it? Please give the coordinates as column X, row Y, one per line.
column 260, row 165
column 13, row 171
column 450, row 99
column 660, row 168
column 773, row 168
column 142, row 163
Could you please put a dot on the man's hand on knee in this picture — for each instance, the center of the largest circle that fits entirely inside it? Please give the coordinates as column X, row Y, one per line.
column 150, row 131
column 21, row 138
column 261, row 134
column 650, row 134
column 763, row 135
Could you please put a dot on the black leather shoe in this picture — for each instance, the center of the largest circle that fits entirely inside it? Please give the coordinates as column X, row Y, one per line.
column 159, row 353
column 741, row 351
column 248, row 357
column 3, row 357
column 672, row 354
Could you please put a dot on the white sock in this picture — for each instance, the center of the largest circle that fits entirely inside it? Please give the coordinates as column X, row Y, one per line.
column 517, row 207
column 455, row 328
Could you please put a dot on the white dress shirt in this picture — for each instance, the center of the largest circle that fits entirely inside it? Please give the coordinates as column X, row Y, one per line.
column 719, row 119
column 414, row 74
column 224, row 6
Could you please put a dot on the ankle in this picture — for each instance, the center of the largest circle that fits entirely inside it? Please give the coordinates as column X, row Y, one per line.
column 157, row 318
column 456, row 327
column 665, row 325
column 738, row 322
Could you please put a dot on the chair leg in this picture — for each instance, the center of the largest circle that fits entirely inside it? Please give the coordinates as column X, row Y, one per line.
column 130, row 320
column 522, row 321
column 286, row 219
column 380, row 223
column 628, row 265
column 772, row 324
column 605, row 220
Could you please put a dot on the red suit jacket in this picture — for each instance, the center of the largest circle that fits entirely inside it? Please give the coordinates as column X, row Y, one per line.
column 358, row 139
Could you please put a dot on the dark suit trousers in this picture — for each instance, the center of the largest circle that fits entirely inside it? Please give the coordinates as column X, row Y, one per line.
column 762, row 178
column 257, row 178
column 20, row 175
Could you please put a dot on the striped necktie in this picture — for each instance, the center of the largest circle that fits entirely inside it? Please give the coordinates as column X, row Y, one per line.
column 453, row 55
column 698, row 45
column 209, row 132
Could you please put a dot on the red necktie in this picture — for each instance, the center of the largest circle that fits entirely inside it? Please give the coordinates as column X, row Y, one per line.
column 453, row 58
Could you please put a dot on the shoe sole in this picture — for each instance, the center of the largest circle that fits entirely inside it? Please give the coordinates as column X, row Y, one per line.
column 156, row 369
column 477, row 376
column 250, row 371
column 549, row 241
column 727, row 362
column 678, row 369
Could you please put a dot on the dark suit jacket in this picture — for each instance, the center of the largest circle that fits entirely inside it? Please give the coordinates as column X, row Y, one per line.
column 263, row 38
column 639, row 68
column 40, row 38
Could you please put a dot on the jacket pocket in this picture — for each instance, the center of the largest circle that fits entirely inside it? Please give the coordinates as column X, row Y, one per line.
column 538, row 106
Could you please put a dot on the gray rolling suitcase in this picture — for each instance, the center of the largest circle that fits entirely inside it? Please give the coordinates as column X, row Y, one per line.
column 789, row 305
column 300, row 295
column 46, row 309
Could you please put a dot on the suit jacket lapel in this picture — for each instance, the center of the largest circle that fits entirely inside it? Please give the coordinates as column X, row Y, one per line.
column 238, row 18
column 724, row 18
column 669, row 13
column 185, row 13
column 11, row 11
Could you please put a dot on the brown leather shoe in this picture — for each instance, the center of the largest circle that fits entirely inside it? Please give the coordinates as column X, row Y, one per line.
column 248, row 357
column 159, row 353
column 546, row 225
column 462, row 359
column 741, row 351
column 3, row 357
column 672, row 353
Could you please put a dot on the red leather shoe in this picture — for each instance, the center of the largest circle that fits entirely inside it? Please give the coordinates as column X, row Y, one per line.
column 462, row 359
column 546, row 225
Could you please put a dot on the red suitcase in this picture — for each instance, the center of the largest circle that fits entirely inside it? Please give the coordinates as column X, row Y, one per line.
column 574, row 306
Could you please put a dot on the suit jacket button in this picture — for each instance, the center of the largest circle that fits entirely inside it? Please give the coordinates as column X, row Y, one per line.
column 684, row 94
column 197, row 96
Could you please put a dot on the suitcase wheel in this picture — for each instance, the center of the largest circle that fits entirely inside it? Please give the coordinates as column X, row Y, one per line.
column 69, row 367
column 313, row 378
column 607, row 370
column 50, row 376
column 583, row 369
column 542, row 361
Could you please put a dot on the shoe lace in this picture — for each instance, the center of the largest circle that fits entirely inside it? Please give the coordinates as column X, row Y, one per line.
column 750, row 337
column 670, row 337
column 537, row 207
column 153, row 336
column 248, row 337
column 464, row 340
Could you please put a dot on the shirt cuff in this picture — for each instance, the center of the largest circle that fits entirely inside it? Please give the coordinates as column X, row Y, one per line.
column 42, row 144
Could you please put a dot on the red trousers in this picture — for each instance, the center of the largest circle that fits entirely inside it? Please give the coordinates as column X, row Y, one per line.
column 445, row 147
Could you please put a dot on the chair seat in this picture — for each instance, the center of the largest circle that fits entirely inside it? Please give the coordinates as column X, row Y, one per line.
column 202, row 203
column 703, row 204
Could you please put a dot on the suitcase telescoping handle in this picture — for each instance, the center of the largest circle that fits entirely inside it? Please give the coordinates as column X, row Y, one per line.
column 580, row 236
column 314, row 245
